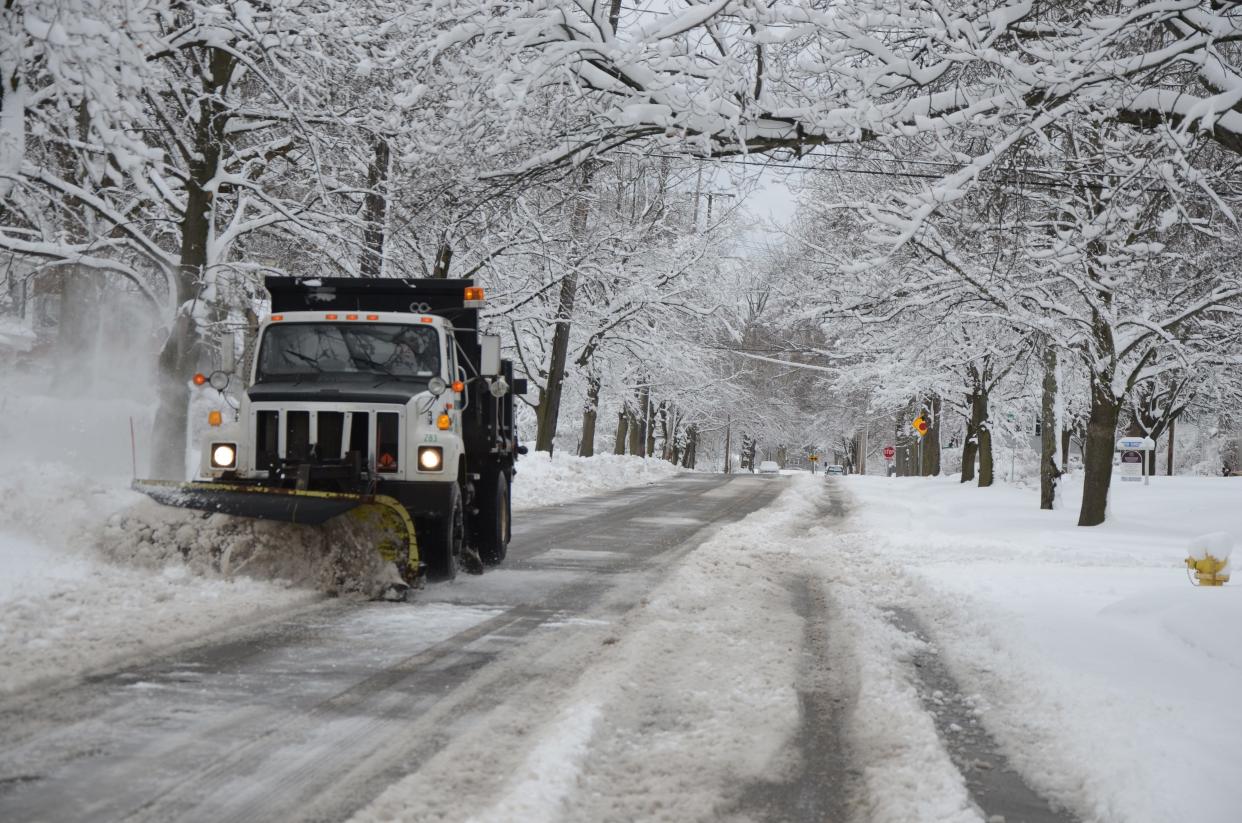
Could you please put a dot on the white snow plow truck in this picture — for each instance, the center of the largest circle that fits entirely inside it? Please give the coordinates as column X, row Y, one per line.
column 373, row 398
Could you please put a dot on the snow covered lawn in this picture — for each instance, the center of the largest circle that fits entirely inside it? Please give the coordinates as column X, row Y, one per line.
column 1114, row 685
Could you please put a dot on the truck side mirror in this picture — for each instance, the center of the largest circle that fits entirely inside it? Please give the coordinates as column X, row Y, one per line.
column 489, row 358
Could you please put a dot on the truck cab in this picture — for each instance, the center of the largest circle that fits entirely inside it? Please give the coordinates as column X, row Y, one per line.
column 342, row 394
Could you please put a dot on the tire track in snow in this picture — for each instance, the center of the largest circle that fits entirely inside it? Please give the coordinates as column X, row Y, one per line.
column 995, row 785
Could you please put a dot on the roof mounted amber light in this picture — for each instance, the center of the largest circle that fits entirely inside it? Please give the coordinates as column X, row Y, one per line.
column 373, row 317
column 329, row 317
column 276, row 318
column 474, row 297
column 351, row 317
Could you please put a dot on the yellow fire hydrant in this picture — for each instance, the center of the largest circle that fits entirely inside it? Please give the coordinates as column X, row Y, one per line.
column 1209, row 559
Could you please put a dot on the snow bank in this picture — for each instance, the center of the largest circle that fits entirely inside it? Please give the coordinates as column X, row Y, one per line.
column 1110, row 681
column 545, row 481
column 68, row 608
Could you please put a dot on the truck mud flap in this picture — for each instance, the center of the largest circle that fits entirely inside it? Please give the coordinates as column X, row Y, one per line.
column 384, row 516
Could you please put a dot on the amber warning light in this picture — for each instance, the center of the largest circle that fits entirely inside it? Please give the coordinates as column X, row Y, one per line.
column 474, row 296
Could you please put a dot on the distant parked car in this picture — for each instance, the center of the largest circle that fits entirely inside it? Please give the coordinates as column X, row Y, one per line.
column 1075, row 463
column 769, row 467
column 835, row 469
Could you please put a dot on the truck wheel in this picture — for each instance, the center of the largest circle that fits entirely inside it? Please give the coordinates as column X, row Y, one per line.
column 494, row 520
column 441, row 540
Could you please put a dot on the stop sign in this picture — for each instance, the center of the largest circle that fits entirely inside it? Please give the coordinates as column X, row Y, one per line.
column 889, row 452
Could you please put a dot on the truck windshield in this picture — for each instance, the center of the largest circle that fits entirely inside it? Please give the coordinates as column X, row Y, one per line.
column 300, row 350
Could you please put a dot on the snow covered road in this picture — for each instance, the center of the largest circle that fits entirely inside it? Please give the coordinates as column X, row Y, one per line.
column 314, row 716
column 703, row 649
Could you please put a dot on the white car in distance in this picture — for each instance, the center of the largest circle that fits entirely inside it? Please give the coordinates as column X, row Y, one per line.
column 769, row 467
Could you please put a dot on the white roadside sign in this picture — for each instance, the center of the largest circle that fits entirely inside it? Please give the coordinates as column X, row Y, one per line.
column 1134, row 450
column 1131, row 466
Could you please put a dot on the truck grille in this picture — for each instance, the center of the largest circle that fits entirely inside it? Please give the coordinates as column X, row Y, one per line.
column 332, row 434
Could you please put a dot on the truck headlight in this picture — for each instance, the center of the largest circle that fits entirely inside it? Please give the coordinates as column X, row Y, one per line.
column 430, row 458
column 224, row 455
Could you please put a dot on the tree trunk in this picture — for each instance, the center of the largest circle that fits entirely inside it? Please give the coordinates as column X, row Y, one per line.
column 78, row 330
column 665, row 434
column 1098, row 460
column 973, row 445
column 589, row 415
column 1049, row 471
column 636, row 430
column 1169, row 459
column 970, row 445
column 623, row 425
column 375, row 212
column 639, row 432
column 747, row 458
column 181, row 349
column 986, row 463
column 688, row 457
column 79, row 319
column 931, row 441
column 550, row 398
column 649, row 427
column 970, row 452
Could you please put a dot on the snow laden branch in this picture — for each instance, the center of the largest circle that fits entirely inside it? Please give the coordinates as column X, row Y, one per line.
column 739, row 76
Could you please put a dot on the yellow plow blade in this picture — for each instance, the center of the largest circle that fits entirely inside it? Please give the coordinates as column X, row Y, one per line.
column 397, row 541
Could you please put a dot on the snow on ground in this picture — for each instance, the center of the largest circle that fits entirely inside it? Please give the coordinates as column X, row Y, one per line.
column 680, row 703
column 67, row 608
column 92, row 573
column 544, row 481
column 1109, row 681
column 689, row 704
column 1113, row 684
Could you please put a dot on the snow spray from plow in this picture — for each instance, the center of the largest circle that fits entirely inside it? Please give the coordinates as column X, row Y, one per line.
column 397, row 542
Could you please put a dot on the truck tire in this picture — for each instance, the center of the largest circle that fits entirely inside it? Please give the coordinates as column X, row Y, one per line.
column 492, row 534
column 441, row 540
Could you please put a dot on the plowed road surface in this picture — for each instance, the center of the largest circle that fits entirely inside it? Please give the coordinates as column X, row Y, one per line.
column 667, row 653
column 313, row 717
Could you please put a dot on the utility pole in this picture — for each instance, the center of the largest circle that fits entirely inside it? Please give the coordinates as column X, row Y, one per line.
column 728, row 466
column 698, row 187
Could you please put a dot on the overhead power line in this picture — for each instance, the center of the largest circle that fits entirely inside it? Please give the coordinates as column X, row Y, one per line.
column 777, row 165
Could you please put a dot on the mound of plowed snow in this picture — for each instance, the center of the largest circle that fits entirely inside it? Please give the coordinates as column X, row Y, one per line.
column 337, row 558
column 544, row 480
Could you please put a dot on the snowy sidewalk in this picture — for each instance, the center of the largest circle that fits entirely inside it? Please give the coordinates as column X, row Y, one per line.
column 1110, row 681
